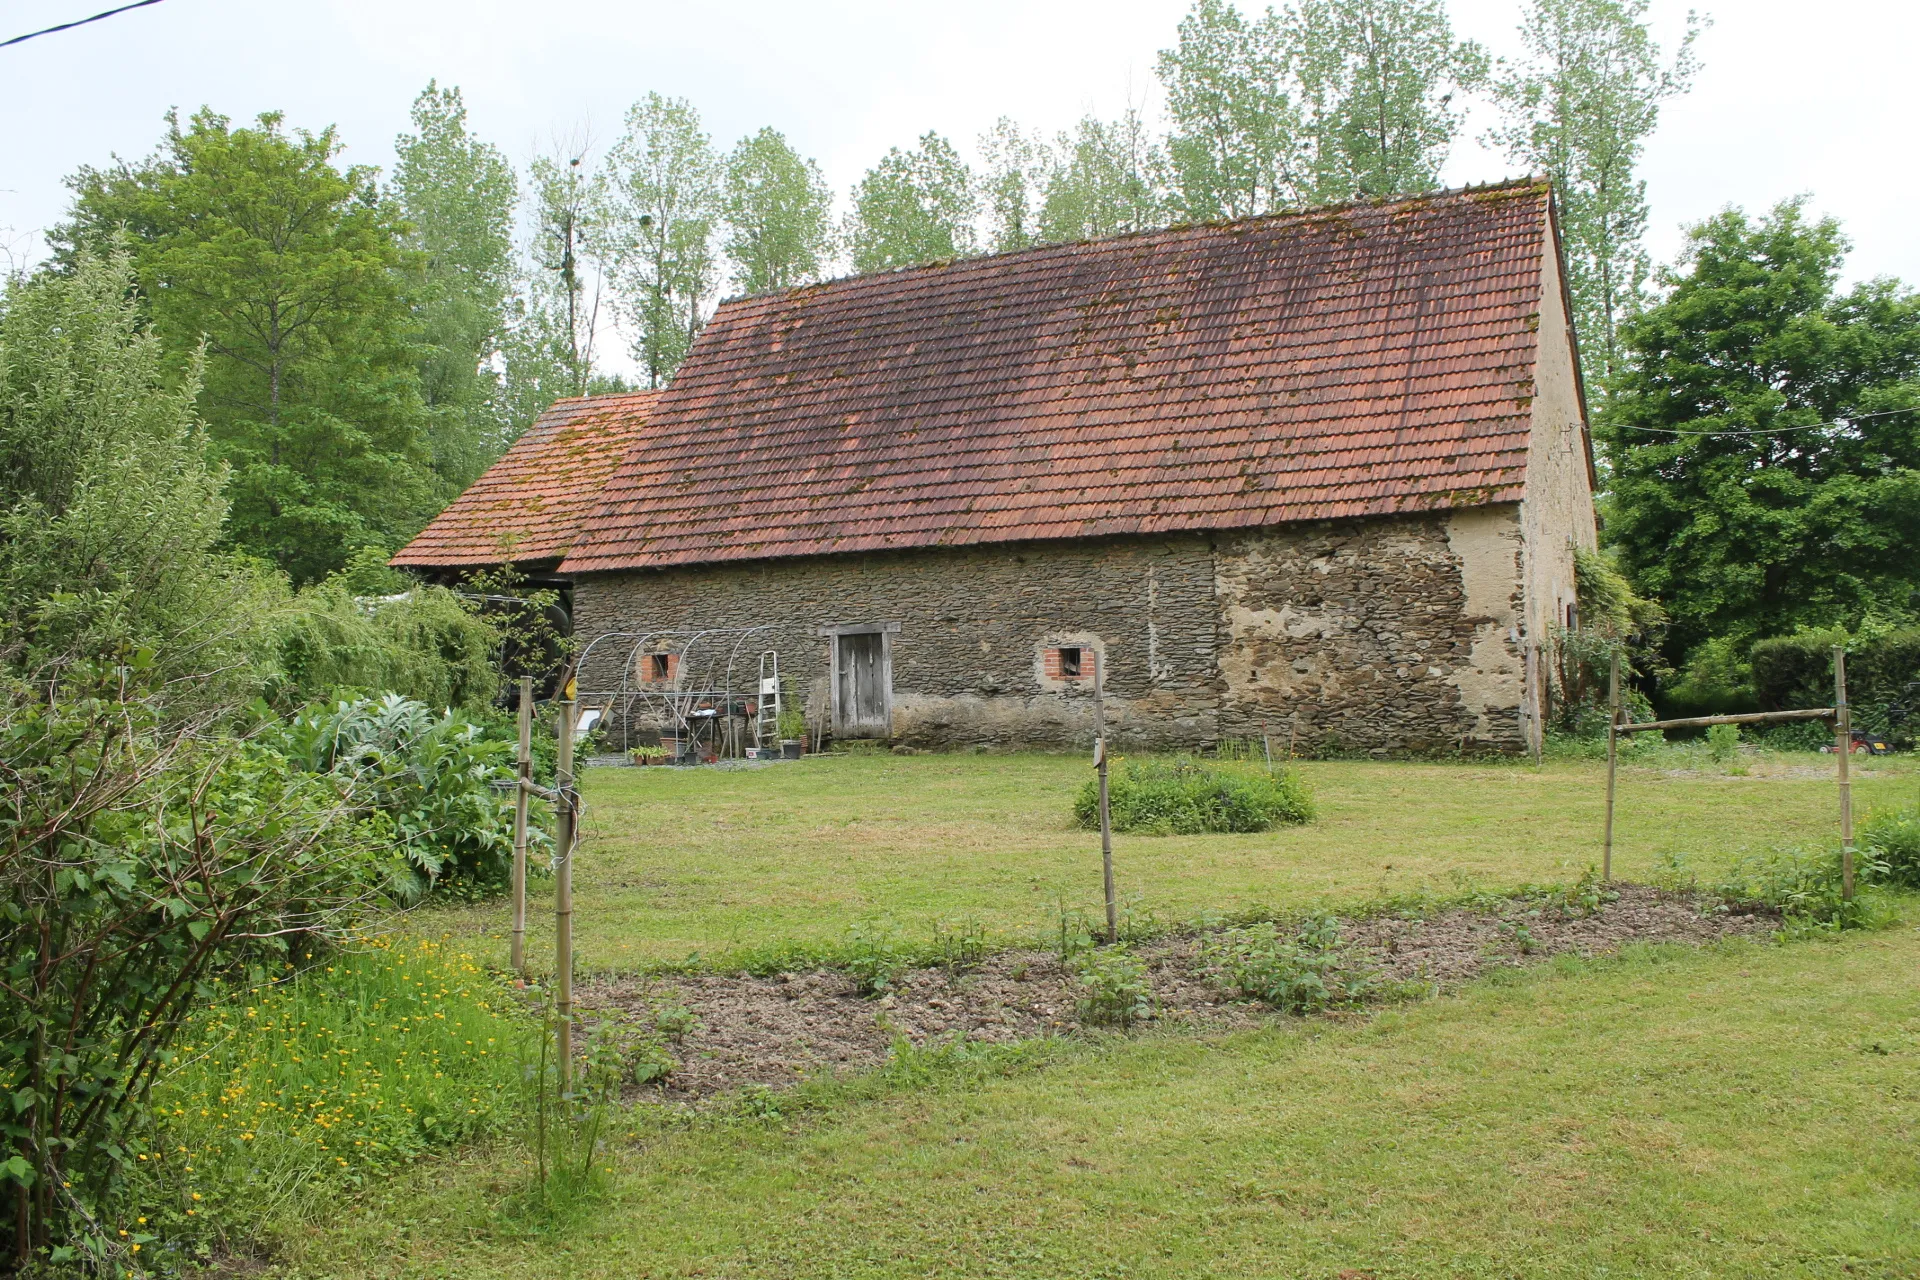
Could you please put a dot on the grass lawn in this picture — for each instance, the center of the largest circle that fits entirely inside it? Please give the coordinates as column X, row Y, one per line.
column 1741, row 1111
column 681, row 861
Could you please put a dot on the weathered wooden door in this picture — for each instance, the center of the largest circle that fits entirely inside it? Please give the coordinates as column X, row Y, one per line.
column 862, row 685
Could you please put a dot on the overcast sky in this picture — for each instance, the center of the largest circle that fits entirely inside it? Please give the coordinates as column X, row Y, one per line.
column 1795, row 96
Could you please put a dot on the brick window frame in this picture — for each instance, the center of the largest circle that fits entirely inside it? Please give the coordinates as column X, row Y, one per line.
column 657, row 668
column 1070, row 663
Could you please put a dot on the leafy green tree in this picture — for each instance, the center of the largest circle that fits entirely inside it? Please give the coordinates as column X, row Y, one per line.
column 914, row 206
column 458, row 195
column 662, row 200
column 1579, row 107
column 553, row 318
column 1099, row 181
column 1235, row 147
column 778, row 212
column 293, row 273
column 1379, row 85
column 1764, row 438
column 1013, row 170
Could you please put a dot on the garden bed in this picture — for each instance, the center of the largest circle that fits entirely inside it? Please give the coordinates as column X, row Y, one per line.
column 777, row 1031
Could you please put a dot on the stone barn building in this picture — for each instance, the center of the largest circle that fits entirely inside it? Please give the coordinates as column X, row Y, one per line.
column 1316, row 475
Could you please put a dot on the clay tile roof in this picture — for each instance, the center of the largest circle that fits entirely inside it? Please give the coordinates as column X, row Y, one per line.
column 529, row 505
column 1347, row 362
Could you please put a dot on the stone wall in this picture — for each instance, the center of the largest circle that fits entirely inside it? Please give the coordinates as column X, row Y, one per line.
column 1389, row 636
column 975, row 623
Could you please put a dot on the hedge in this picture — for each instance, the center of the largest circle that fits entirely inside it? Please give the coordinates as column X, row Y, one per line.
column 1797, row 671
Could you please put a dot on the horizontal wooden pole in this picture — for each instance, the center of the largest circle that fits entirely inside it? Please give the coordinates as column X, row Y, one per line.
column 1751, row 717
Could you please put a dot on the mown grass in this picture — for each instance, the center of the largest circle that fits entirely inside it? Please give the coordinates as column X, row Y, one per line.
column 1739, row 1111
column 682, row 862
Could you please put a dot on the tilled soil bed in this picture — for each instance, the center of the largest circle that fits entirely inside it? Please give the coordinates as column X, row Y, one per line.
column 776, row 1031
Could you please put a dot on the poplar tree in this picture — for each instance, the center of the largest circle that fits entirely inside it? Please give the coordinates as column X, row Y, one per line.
column 458, row 195
column 662, row 201
column 914, row 206
column 778, row 213
column 1579, row 107
column 1099, row 180
column 1235, row 146
column 1380, row 83
column 1014, row 167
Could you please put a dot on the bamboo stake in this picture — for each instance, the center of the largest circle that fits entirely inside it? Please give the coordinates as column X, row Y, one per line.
column 1843, row 743
column 1613, row 739
column 523, row 762
column 563, row 842
column 1100, row 766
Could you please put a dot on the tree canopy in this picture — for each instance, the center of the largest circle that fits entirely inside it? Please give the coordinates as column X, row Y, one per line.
column 914, row 206
column 778, row 213
column 1764, row 437
column 294, row 274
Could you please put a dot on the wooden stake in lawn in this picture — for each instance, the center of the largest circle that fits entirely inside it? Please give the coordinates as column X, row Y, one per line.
column 566, row 813
column 523, row 769
column 1843, row 744
column 1100, row 767
column 1613, row 741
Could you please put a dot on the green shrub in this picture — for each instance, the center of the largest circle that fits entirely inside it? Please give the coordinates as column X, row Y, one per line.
column 1892, row 841
column 1113, row 988
column 1302, row 973
column 429, row 777
column 1723, row 743
column 1797, row 671
column 424, row 644
column 1187, row 797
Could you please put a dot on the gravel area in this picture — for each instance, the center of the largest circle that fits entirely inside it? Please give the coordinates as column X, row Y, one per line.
column 775, row 1031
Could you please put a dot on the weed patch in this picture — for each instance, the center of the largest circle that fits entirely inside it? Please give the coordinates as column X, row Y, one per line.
column 1190, row 797
column 1304, row 972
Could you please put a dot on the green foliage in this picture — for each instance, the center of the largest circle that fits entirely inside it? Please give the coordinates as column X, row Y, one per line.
column 1188, row 797
column 1892, row 841
column 1383, row 85
column 1723, row 743
column 457, row 195
column 1234, row 145
column 874, row 957
column 778, row 213
column 110, row 515
column 1806, row 888
column 1099, row 180
column 663, row 192
column 1883, row 677
column 141, row 859
column 424, row 644
column 428, row 779
column 293, row 272
column 1112, row 988
column 914, row 206
column 1579, row 107
column 1795, row 524
column 283, row 1094
column 1304, row 972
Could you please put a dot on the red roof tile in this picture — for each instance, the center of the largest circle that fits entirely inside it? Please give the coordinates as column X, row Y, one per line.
column 1350, row 362
column 529, row 505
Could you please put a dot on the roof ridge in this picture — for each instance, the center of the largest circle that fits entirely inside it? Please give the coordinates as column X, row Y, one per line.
column 1146, row 233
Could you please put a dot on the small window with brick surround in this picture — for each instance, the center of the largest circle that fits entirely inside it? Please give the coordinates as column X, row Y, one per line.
column 659, row 668
column 1070, row 662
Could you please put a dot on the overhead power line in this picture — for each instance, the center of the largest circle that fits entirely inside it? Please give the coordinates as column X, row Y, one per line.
column 80, row 22
column 1763, row 431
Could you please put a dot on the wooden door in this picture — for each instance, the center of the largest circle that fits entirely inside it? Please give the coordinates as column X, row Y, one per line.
column 862, row 685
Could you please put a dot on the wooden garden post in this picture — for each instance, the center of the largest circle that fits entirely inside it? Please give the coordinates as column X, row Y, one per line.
column 523, row 773
column 1100, row 767
column 563, row 841
column 1613, row 739
column 1843, row 744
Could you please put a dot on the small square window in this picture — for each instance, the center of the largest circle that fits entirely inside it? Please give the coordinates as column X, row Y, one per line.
column 1070, row 663
column 658, row 668
column 1573, row 617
